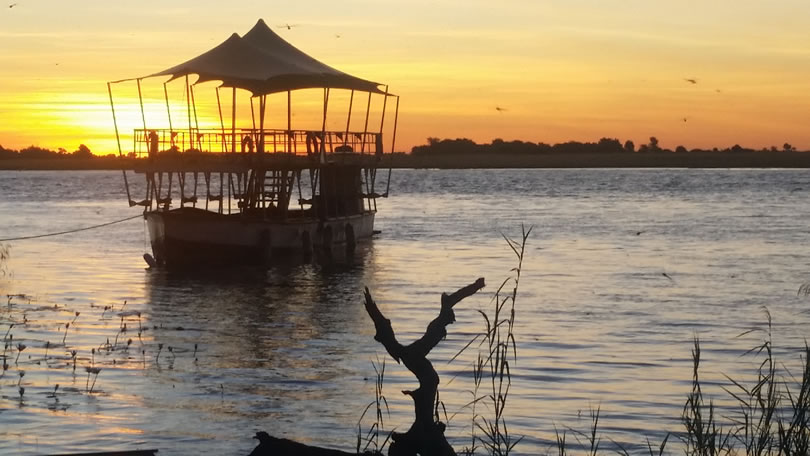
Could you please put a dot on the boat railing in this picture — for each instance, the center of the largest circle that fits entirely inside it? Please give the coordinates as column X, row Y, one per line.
column 156, row 142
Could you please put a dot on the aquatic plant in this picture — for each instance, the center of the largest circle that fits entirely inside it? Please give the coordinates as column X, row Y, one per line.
column 67, row 326
column 492, row 368
column 764, row 425
column 772, row 416
column 372, row 435
column 5, row 254
column 591, row 440
column 121, row 329
column 91, row 370
column 704, row 436
column 20, row 348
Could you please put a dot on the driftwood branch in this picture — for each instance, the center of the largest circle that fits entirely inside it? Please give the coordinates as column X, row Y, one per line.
column 273, row 446
column 426, row 435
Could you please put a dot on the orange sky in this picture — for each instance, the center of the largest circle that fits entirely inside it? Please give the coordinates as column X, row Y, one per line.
column 562, row 70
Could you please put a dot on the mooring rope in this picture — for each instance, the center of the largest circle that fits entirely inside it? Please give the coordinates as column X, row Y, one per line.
column 72, row 231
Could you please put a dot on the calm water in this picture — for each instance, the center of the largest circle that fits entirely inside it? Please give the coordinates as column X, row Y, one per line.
column 289, row 350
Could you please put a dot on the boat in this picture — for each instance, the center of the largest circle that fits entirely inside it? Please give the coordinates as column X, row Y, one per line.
column 239, row 180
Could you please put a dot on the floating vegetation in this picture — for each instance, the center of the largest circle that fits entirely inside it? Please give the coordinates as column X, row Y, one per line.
column 94, row 371
column 5, row 254
column 28, row 327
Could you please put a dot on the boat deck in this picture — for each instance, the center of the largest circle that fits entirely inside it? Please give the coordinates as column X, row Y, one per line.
column 243, row 162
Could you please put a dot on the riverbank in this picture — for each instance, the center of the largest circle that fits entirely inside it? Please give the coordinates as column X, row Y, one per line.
column 751, row 159
column 748, row 159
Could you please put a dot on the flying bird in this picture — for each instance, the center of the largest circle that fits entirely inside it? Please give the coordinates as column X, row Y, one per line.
column 287, row 26
column 691, row 80
column 667, row 276
column 12, row 5
column 500, row 109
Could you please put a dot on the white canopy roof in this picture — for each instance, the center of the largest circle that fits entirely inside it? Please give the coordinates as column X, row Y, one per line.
column 263, row 63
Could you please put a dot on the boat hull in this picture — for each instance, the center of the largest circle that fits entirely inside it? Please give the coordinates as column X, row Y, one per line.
column 190, row 237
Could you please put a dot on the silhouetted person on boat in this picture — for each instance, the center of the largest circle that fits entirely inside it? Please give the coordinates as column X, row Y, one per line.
column 247, row 144
column 153, row 144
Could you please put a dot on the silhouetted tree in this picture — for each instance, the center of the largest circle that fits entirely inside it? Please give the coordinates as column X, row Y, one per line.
column 680, row 150
column 8, row 153
column 609, row 145
column 653, row 144
column 82, row 152
column 629, row 146
column 787, row 147
column 37, row 152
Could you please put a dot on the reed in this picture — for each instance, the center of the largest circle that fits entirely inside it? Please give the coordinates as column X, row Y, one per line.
column 704, row 436
column 20, row 348
column 492, row 375
column 5, row 254
column 772, row 416
column 371, row 438
column 94, row 371
column 67, row 326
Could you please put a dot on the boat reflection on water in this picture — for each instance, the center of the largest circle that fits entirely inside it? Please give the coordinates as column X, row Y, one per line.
column 284, row 343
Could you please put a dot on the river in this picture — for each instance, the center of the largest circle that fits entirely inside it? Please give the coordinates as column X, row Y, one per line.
column 623, row 270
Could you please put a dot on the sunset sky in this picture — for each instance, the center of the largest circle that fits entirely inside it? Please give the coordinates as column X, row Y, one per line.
column 561, row 70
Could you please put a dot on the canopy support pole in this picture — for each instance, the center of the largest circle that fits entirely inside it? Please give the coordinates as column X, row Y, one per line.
column 365, row 128
column 382, row 118
column 196, row 122
column 221, row 123
column 233, row 120
column 168, row 111
column 393, row 141
column 188, row 108
column 140, row 100
column 289, row 122
column 262, row 110
column 118, row 140
column 348, row 117
column 323, row 127
column 253, row 118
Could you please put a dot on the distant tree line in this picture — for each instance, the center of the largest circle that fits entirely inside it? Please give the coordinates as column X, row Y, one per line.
column 463, row 146
column 38, row 152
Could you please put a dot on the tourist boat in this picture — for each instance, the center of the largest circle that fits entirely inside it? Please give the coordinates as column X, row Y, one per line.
column 219, row 183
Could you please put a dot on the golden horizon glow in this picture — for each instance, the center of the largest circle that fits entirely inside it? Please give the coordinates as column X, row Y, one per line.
column 563, row 71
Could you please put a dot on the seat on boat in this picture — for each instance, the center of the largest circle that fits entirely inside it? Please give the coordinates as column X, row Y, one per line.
column 144, row 203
